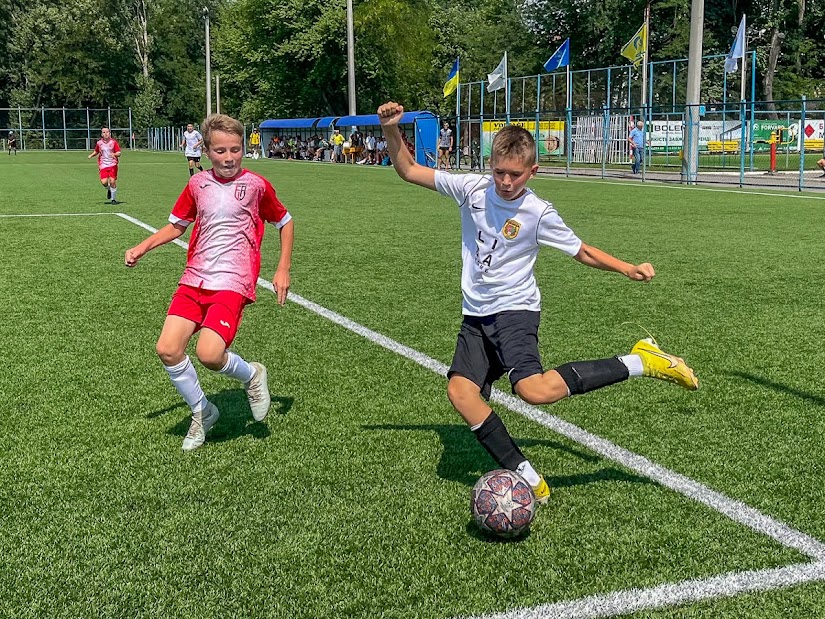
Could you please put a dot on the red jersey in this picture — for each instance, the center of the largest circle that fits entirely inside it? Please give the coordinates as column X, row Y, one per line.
column 229, row 215
column 106, row 153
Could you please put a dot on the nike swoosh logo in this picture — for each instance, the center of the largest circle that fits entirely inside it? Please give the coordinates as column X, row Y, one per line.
column 224, row 323
column 203, row 186
column 673, row 363
column 476, row 208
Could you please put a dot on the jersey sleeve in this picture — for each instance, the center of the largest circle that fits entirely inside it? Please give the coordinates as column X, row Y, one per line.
column 553, row 232
column 271, row 208
column 185, row 209
column 116, row 147
column 456, row 186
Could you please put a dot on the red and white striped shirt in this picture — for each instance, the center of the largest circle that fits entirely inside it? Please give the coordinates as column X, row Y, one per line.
column 229, row 215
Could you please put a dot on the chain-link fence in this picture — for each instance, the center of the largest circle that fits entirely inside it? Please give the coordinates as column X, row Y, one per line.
column 62, row 128
column 761, row 144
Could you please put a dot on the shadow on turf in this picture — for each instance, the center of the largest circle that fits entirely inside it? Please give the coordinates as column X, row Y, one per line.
column 779, row 387
column 462, row 455
column 235, row 420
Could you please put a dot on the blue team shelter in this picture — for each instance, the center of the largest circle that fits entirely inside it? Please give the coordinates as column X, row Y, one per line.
column 421, row 128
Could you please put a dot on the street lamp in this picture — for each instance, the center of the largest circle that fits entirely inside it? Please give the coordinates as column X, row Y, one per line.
column 208, row 64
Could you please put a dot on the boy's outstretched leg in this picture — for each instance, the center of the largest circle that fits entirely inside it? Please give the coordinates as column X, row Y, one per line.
column 578, row 377
column 171, row 349
column 490, row 431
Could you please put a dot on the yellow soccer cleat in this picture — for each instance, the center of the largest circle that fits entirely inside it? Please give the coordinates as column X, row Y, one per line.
column 541, row 491
column 659, row 364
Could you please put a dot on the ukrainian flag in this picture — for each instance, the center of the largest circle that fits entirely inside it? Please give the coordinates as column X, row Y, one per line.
column 636, row 47
column 452, row 80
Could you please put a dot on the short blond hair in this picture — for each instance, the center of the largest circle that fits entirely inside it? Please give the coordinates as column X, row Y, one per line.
column 220, row 122
column 514, row 142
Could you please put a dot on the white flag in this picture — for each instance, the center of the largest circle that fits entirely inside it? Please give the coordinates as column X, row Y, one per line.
column 498, row 78
column 738, row 49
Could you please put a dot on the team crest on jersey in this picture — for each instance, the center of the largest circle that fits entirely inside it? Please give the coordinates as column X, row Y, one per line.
column 510, row 229
column 240, row 191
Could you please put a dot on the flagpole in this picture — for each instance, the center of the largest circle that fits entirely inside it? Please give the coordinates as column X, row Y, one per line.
column 568, row 123
column 644, row 66
column 744, row 56
column 506, row 89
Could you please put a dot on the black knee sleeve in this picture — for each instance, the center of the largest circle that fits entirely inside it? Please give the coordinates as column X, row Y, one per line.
column 584, row 376
column 497, row 441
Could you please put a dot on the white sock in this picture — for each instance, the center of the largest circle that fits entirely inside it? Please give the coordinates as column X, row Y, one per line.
column 113, row 191
column 185, row 380
column 633, row 363
column 526, row 470
column 236, row 367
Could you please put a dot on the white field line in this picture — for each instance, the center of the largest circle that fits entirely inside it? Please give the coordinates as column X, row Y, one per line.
column 622, row 602
column 702, row 589
column 653, row 184
column 55, row 215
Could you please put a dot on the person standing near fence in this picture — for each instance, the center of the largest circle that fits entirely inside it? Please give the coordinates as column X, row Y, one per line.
column 446, row 142
column 637, row 146
column 255, row 143
column 192, row 142
column 107, row 151
column 12, row 143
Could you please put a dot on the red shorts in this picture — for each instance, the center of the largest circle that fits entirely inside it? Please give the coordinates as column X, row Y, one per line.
column 218, row 310
column 110, row 172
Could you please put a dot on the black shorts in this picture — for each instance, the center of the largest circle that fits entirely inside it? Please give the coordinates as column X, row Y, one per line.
column 444, row 149
column 490, row 346
column 195, row 159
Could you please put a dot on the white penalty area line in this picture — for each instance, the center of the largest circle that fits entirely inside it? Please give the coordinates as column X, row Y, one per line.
column 54, row 215
column 699, row 590
column 621, row 602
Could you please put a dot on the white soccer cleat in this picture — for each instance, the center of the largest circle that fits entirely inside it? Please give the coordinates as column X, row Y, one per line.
column 202, row 422
column 257, row 392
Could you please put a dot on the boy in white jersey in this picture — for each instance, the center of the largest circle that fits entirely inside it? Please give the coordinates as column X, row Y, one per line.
column 230, row 207
column 107, row 151
column 191, row 143
column 503, row 224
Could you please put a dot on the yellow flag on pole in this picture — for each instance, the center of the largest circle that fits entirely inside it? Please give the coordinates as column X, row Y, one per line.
column 636, row 47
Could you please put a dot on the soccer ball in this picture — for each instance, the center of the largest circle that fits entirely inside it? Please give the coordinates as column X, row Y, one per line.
column 503, row 503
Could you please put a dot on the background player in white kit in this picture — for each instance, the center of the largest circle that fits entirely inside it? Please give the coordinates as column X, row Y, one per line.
column 230, row 207
column 107, row 151
column 191, row 143
column 503, row 224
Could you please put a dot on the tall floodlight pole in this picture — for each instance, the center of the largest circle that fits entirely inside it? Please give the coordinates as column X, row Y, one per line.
column 350, row 59
column 208, row 64
column 690, row 138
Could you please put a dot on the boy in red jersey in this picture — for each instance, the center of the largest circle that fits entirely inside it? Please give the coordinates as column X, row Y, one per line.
column 107, row 151
column 229, row 206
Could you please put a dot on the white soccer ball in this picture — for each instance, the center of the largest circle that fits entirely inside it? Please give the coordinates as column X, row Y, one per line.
column 503, row 503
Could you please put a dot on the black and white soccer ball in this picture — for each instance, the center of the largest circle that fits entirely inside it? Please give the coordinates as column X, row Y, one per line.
column 503, row 503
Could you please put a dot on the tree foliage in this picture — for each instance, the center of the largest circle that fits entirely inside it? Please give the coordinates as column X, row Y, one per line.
column 289, row 57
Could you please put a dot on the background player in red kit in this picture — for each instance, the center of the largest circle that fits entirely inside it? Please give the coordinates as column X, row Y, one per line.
column 230, row 207
column 108, row 154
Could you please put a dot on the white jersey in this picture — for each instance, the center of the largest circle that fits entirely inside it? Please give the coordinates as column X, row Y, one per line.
column 500, row 243
column 192, row 139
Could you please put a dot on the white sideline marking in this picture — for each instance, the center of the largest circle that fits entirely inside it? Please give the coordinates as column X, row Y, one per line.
column 56, row 214
column 666, row 185
column 634, row 600
column 622, row 602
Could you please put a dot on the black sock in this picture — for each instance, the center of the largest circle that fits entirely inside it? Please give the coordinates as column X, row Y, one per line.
column 108, row 193
column 495, row 438
column 584, row 376
column 191, row 171
column 200, row 168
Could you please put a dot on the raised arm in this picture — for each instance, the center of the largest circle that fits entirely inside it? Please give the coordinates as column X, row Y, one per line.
column 598, row 259
column 166, row 234
column 389, row 114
